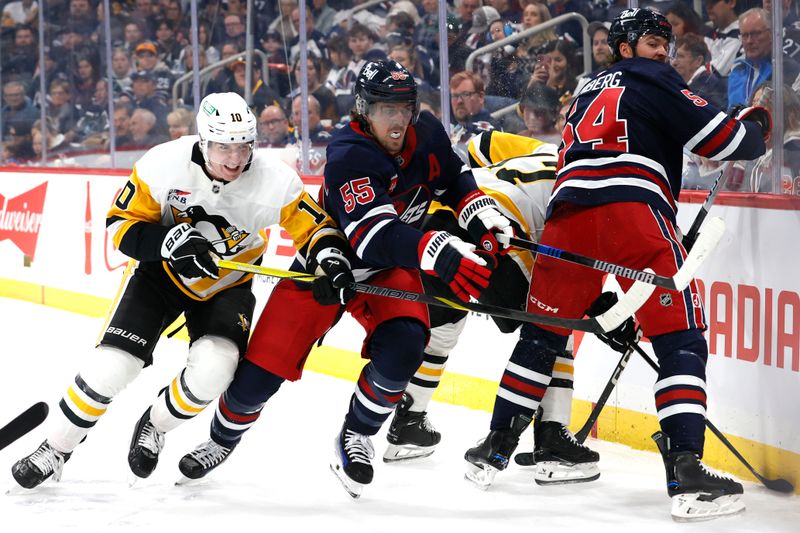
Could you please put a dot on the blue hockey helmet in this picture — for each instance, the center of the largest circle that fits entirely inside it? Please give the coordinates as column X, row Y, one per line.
column 385, row 81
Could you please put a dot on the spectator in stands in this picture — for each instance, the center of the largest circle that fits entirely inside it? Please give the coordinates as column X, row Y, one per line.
column 122, row 126
column 61, row 109
column 235, row 30
column 533, row 15
column 756, row 66
column 173, row 12
column 508, row 10
column 20, row 12
column 407, row 56
column 561, row 119
column 339, row 55
column 458, row 50
column 791, row 28
column 81, row 13
column 482, row 18
column 56, row 142
column 274, row 128
column 601, row 53
column 85, row 82
column 145, row 96
column 323, row 16
column 20, row 59
column 180, row 122
column 19, row 114
column 315, row 38
column 465, row 10
column 133, row 34
column 169, row 49
column 261, row 94
column 93, row 125
column 324, row 96
column 317, row 133
column 147, row 61
column 143, row 12
column 144, row 132
column 723, row 40
column 427, row 26
column 539, row 110
column 684, row 19
column 468, row 116
column 283, row 22
column 570, row 30
column 221, row 77
column 505, row 73
column 361, row 41
column 431, row 102
column 564, row 66
column 121, row 68
column 692, row 63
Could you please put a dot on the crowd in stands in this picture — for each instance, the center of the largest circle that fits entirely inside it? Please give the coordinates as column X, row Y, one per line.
column 723, row 53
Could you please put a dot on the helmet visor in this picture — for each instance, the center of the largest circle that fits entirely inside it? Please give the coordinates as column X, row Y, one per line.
column 229, row 154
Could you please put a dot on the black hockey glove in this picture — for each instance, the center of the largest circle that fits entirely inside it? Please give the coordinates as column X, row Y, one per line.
column 465, row 269
column 335, row 277
column 189, row 253
column 759, row 115
column 480, row 216
column 620, row 338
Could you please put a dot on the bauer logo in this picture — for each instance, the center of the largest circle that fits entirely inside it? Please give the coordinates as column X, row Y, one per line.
column 21, row 218
column 136, row 339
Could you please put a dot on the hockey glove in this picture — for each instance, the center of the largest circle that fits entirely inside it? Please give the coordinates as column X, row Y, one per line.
column 478, row 214
column 189, row 253
column 620, row 338
column 335, row 277
column 456, row 263
column 759, row 115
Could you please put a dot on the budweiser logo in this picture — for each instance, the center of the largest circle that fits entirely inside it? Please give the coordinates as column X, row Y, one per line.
column 20, row 218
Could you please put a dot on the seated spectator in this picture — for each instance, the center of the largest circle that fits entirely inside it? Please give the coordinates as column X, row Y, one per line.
column 339, row 55
column 323, row 16
column 601, row 53
column 85, row 81
column 122, row 127
column 317, row 133
column 684, row 19
column 147, row 60
column 61, row 109
column 145, row 96
column 506, row 76
column 19, row 114
column 315, row 43
column 19, row 60
column 133, row 35
column 324, row 96
column 539, row 110
column 261, row 94
column 273, row 127
column 507, row 9
column 791, row 28
column 465, row 10
column 756, row 66
column 180, row 122
column 56, row 144
column 169, row 49
column 723, row 41
column 761, row 173
column 482, row 18
column 407, row 56
column 564, row 66
column 235, row 31
column 221, row 77
column 532, row 15
column 92, row 126
column 283, row 22
column 143, row 130
column 20, row 12
column 572, row 30
column 362, row 42
column 692, row 63
column 121, row 68
column 468, row 116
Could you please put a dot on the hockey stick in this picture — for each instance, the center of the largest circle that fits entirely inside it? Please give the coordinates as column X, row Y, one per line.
column 704, row 245
column 691, row 236
column 778, row 485
column 23, row 423
column 627, row 305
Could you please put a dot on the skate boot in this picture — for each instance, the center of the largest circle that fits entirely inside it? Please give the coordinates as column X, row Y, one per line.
column 203, row 459
column 697, row 493
column 146, row 443
column 558, row 458
column 411, row 435
column 46, row 461
column 352, row 462
column 491, row 455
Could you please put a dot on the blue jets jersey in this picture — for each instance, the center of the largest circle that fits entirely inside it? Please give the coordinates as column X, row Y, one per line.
column 625, row 132
column 379, row 200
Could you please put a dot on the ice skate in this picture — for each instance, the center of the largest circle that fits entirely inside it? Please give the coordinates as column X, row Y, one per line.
column 491, row 455
column 202, row 460
column 34, row 469
column 146, row 443
column 558, row 458
column 352, row 463
column 697, row 493
column 411, row 435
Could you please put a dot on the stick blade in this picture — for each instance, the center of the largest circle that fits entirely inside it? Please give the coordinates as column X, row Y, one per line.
column 630, row 302
column 778, row 485
column 23, row 423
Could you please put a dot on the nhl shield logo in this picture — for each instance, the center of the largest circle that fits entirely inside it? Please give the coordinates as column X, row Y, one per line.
column 665, row 299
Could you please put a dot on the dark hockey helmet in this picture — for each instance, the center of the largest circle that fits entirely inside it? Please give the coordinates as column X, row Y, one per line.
column 632, row 24
column 385, row 81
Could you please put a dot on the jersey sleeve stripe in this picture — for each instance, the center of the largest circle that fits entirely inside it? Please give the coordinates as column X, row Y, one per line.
column 731, row 146
column 712, row 125
column 720, row 140
column 361, row 247
column 374, row 212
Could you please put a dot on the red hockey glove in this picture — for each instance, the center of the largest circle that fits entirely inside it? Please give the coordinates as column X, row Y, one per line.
column 479, row 215
column 455, row 262
column 757, row 114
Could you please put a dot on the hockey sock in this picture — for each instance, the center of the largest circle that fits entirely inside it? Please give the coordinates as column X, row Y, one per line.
column 240, row 406
column 557, row 401
column 106, row 372
column 527, row 375
column 425, row 380
column 396, row 348
column 175, row 404
column 680, row 391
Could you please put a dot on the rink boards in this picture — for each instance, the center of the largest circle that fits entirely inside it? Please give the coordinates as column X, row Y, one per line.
column 54, row 250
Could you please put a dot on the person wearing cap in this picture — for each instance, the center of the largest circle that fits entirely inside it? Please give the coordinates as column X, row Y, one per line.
column 146, row 96
column 146, row 55
column 458, row 51
column 262, row 94
column 539, row 110
column 601, row 53
column 482, row 18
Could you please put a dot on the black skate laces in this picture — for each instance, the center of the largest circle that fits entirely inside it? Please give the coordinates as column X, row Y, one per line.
column 358, row 447
column 151, row 438
column 210, row 454
column 47, row 459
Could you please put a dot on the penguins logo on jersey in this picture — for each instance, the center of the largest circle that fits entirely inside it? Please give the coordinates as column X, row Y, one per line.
column 224, row 236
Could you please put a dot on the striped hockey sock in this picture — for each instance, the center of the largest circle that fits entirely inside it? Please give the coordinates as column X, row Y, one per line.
column 175, row 404
column 424, row 382
column 373, row 401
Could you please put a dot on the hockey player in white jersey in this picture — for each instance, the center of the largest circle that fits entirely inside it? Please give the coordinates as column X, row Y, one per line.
column 187, row 201
column 518, row 172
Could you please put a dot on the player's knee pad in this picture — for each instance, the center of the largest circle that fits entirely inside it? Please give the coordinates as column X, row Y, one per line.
column 210, row 367
column 444, row 338
column 538, row 348
column 396, row 347
column 108, row 370
column 251, row 387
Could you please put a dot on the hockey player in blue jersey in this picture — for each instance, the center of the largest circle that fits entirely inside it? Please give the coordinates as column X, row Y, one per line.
column 383, row 170
column 615, row 198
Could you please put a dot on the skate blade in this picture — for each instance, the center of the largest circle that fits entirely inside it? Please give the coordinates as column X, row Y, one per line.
column 133, row 480
column 353, row 488
column 189, row 482
column 557, row 473
column 18, row 490
column 689, row 507
column 398, row 453
column 481, row 476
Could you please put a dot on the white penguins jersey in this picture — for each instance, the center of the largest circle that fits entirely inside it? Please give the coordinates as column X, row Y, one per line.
column 169, row 186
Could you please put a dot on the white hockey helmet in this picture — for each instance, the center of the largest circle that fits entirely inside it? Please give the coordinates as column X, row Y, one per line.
column 225, row 118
